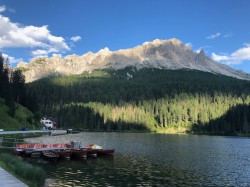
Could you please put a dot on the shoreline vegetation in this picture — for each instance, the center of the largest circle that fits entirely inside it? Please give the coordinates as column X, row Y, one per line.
column 181, row 131
column 33, row 176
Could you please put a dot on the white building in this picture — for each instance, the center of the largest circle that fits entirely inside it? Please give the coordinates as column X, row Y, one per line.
column 47, row 123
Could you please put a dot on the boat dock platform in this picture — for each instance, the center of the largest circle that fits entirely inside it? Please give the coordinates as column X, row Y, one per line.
column 8, row 180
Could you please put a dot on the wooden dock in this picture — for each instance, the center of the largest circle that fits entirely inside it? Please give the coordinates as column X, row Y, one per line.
column 8, row 180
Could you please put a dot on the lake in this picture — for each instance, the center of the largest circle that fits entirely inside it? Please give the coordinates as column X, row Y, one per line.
column 145, row 159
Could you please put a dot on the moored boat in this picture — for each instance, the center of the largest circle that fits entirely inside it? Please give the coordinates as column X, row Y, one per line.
column 80, row 153
column 105, row 152
column 28, row 152
column 36, row 154
column 97, row 150
column 50, row 154
column 92, row 152
column 65, row 153
column 18, row 151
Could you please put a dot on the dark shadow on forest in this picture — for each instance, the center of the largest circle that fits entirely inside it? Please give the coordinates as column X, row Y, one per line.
column 235, row 122
column 89, row 120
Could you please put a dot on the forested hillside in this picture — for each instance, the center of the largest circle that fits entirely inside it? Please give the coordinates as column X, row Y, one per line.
column 16, row 103
column 146, row 99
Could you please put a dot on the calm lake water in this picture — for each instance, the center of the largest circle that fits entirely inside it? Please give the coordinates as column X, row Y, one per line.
column 154, row 159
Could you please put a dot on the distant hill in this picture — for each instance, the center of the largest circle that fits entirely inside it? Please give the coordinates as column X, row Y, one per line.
column 162, row 54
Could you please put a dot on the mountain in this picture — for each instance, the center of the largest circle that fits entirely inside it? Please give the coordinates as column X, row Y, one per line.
column 163, row 54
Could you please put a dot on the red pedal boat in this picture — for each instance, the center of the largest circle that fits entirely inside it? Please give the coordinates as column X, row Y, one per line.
column 80, row 153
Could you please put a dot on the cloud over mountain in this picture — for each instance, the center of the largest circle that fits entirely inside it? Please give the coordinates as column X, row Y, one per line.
column 14, row 35
column 236, row 57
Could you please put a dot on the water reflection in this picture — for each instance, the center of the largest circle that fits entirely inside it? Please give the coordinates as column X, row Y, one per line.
column 153, row 159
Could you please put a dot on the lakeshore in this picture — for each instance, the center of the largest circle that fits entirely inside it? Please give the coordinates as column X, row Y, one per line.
column 8, row 180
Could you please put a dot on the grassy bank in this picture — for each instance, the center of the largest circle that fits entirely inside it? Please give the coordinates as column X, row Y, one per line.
column 22, row 117
column 31, row 175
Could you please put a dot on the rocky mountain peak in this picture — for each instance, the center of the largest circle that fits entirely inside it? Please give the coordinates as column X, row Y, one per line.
column 202, row 53
column 168, row 54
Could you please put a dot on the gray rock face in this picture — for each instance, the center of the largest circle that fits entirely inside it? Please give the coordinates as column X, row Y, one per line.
column 164, row 54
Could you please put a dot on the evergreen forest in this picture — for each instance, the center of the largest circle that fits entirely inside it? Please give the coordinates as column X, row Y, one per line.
column 148, row 99
column 17, row 105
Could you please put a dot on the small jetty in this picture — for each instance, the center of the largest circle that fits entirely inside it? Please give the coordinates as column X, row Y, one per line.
column 67, row 150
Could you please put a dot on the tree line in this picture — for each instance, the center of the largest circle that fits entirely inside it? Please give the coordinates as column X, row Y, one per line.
column 146, row 99
column 13, row 89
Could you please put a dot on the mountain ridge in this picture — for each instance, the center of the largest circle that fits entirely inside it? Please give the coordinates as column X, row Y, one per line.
column 162, row 54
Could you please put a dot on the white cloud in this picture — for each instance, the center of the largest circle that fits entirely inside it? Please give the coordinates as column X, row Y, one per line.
column 11, row 59
column 189, row 45
column 39, row 53
column 2, row 8
column 198, row 50
column 219, row 58
column 228, row 35
column 15, row 35
column 205, row 48
column 56, row 54
column 76, row 38
column 11, row 10
column 236, row 57
column 213, row 36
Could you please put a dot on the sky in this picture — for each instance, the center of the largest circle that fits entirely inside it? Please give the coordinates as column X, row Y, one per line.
column 33, row 28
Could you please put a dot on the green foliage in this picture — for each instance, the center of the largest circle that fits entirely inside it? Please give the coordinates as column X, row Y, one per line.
column 24, row 170
column 13, row 92
column 22, row 116
column 18, row 88
column 12, row 108
column 152, row 99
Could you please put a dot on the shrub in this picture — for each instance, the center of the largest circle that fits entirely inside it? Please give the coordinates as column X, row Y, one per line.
column 26, row 171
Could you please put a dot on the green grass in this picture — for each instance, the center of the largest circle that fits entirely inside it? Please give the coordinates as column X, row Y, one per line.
column 22, row 116
column 31, row 175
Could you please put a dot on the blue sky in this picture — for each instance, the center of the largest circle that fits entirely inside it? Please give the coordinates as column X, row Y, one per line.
column 31, row 28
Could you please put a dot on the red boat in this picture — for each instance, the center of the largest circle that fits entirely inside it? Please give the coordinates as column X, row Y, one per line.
column 80, row 153
column 95, row 150
column 65, row 153
column 105, row 152
column 18, row 151
column 92, row 152
column 50, row 154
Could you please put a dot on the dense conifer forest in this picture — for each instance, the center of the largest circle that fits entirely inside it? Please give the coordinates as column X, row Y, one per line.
column 13, row 89
column 15, row 100
column 147, row 99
